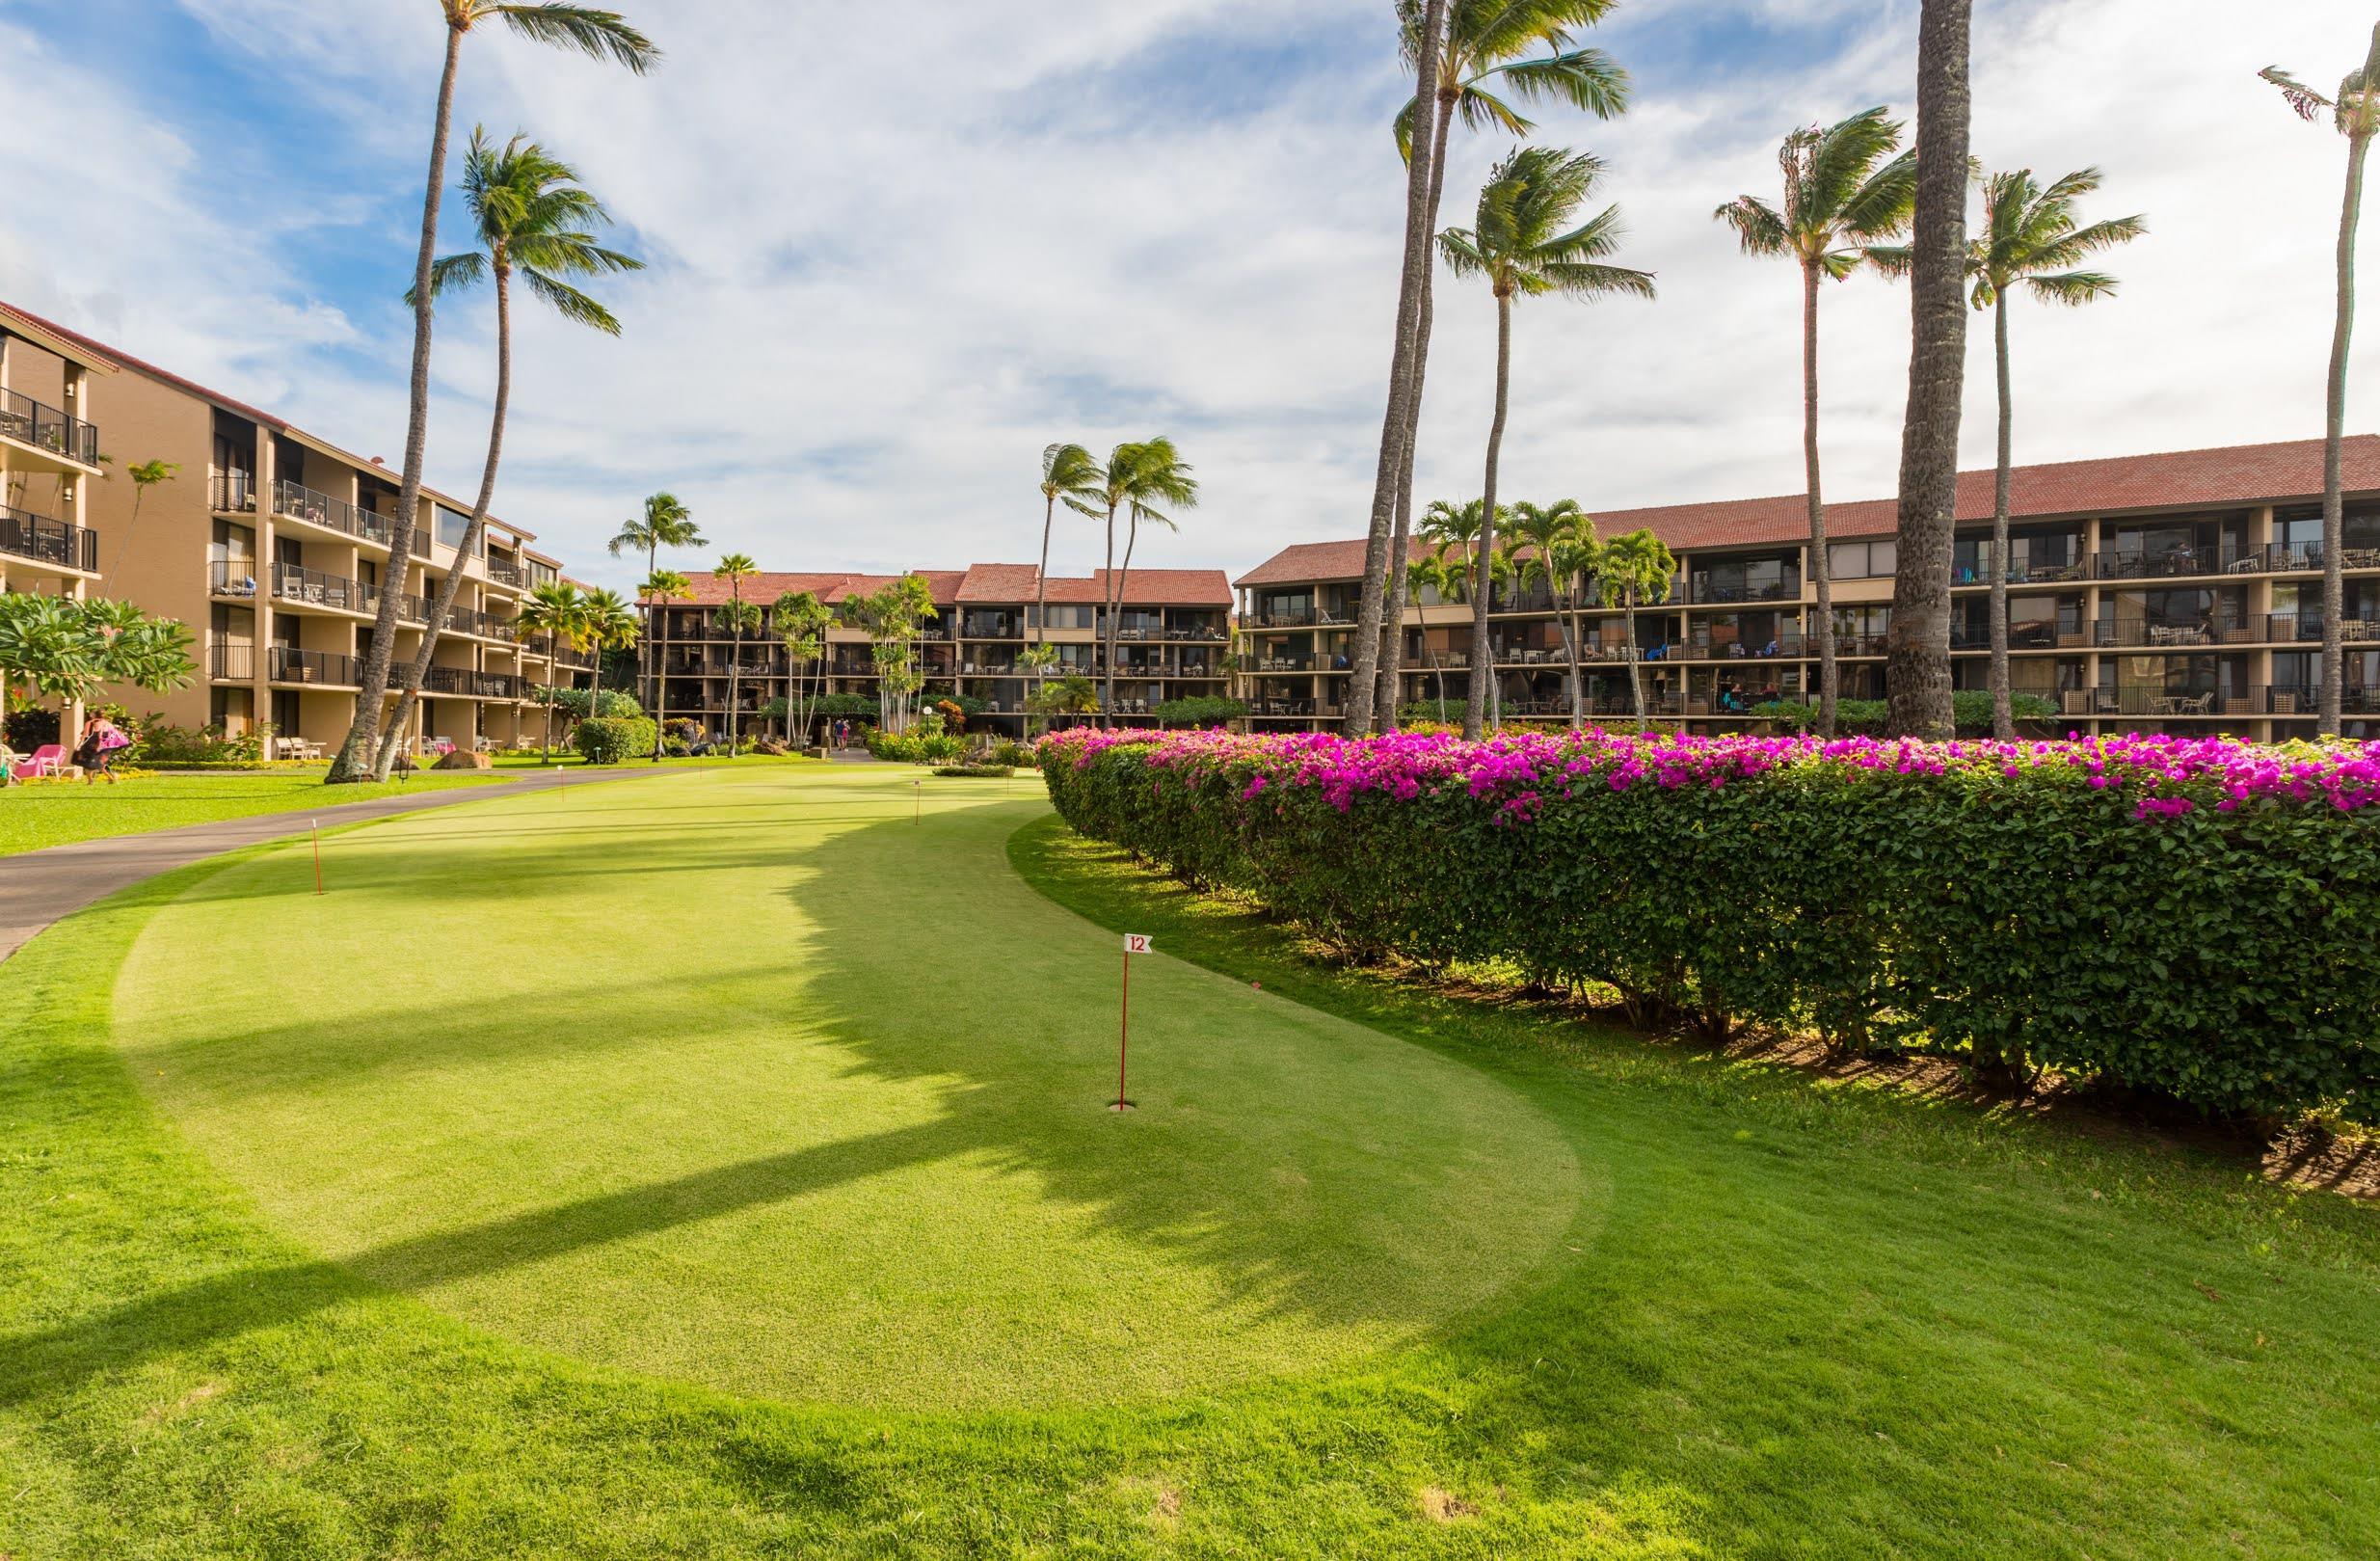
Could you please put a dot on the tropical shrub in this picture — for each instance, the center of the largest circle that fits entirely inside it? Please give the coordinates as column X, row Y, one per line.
column 1005, row 751
column 2188, row 917
column 1970, row 708
column 917, row 747
column 157, row 743
column 858, row 707
column 573, row 702
column 611, row 739
column 1199, row 710
column 976, row 771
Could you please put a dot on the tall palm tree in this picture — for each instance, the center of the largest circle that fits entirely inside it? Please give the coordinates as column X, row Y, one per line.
column 552, row 608
column 1844, row 192
column 1560, row 542
column 801, row 622
column 665, row 524
column 606, row 622
column 1137, row 476
column 1486, row 41
column 2356, row 113
column 739, row 618
column 1522, row 244
column 1071, row 472
column 1632, row 568
column 531, row 217
column 661, row 586
column 1412, row 274
column 603, row 35
column 1918, row 640
column 145, row 475
column 2029, row 239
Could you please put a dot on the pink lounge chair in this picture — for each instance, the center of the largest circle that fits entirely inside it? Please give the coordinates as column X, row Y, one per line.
column 50, row 759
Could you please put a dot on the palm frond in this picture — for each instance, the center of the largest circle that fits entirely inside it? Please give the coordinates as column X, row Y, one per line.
column 1842, row 161
column 1894, row 260
column 1758, row 225
column 569, row 303
column 599, row 34
column 2307, row 103
column 1585, row 79
column 453, row 273
column 1881, row 206
column 2072, row 288
column 1460, row 249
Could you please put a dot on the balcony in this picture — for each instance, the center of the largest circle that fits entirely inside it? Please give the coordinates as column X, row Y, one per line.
column 295, row 501
column 313, row 588
column 47, row 429
column 471, row 685
column 1701, row 648
column 505, row 574
column 231, row 664
column 289, row 664
column 61, row 544
column 2306, row 699
column 1304, row 619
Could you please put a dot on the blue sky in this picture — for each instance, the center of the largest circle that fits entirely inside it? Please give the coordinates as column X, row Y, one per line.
column 884, row 274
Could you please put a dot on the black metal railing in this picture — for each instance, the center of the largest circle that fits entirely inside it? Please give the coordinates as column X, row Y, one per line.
column 233, row 493
column 231, row 576
column 455, row 679
column 504, row 573
column 2306, row 699
column 231, row 664
column 294, row 501
column 289, row 664
column 32, row 422
column 60, row 543
column 1702, row 648
column 313, row 587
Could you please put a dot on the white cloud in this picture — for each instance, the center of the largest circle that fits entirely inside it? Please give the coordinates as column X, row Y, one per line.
column 885, row 276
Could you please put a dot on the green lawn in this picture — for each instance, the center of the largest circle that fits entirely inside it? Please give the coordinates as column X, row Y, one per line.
column 717, row 1167
column 52, row 813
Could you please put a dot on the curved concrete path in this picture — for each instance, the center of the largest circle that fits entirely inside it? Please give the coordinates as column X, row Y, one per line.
column 40, row 887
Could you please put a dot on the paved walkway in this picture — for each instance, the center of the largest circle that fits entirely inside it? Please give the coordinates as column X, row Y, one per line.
column 40, row 887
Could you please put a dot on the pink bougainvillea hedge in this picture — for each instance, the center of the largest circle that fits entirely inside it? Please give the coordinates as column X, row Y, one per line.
column 2198, row 918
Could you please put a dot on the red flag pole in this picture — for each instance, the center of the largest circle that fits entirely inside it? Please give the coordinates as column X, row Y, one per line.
column 1123, row 1033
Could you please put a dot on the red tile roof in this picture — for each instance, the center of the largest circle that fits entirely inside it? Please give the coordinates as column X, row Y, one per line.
column 2236, row 474
column 991, row 584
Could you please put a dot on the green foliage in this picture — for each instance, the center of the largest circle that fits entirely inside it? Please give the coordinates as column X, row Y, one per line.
column 61, row 648
column 2020, row 917
column 858, row 707
column 156, row 742
column 1007, row 751
column 1200, row 710
column 976, row 771
column 1970, row 709
column 1071, row 695
column 612, row 740
column 573, row 702
column 916, row 747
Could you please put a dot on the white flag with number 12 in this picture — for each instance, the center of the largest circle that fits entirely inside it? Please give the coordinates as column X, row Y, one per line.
column 1136, row 943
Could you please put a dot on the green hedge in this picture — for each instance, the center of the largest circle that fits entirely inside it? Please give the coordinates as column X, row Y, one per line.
column 942, row 748
column 2205, row 927
column 1199, row 710
column 609, row 740
column 1971, row 710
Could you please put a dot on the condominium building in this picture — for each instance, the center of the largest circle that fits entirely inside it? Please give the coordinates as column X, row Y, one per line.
column 1173, row 632
column 272, row 544
column 2178, row 592
column 50, row 459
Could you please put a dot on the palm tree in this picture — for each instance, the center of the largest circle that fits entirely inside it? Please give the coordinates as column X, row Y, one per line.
column 1435, row 572
column 801, row 623
column 1844, row 190
column 531, row 217
column 606, row 621
column 2030, row 237
column 1138, row 476
column 1485, row 41
column 660, row 586
column 1071, row 472
column 739, row 618
column 1633, row 567
column 665, row 524
column 1561, row 547
column 1917, row 641
column 599, row 34
column 2356, row 113
column 554, row 608
column 1424, row 43
column 1523, row 245
column 144, row 476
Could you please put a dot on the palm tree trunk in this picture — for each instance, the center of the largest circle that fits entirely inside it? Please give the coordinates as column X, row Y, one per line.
column 2334, row 435
column 548, row 756
column 1578, row 674
column 1820, row 575
column 1401, row 541
column 1362, row 686
column 2003, row 716
column 444, row 603
column 652, row 565
column 1132, row 537
column 1107, row 629
column 1041, row 577
column 356, row 755
column 1482, row 654
column 1917, row 673
column 1636, row 667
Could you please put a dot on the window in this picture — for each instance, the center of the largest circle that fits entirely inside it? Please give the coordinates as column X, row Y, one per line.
column 451, row 526
column 1862, row 560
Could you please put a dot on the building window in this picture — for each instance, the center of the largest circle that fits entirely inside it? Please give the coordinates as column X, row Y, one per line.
column 1862, row 560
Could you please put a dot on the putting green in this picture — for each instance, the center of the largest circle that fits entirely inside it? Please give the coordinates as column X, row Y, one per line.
column 747, row 1079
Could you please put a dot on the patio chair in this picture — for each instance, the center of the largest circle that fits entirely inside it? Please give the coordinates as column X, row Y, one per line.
column 50, row 759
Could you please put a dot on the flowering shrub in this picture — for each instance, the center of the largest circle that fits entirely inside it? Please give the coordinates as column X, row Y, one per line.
column 2194, row 917
column 916, row 747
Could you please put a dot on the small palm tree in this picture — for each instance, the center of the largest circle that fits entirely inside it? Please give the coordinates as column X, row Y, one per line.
column 2356, row 114
column 1137, row 476
column 531, row 218
column 801, row 623
column 1845, row 192
column 1523, row 245
column 1035, row 661
column 1437, row 573
column 2030, row 238
column 144, row 476
column 603, row 35
column 606, row 621
column 1071, row 472
column 665, row 524
column 1561, row 544
column 1632, row 568
column 661, row 586
column 739, row 618
column 552, row 608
